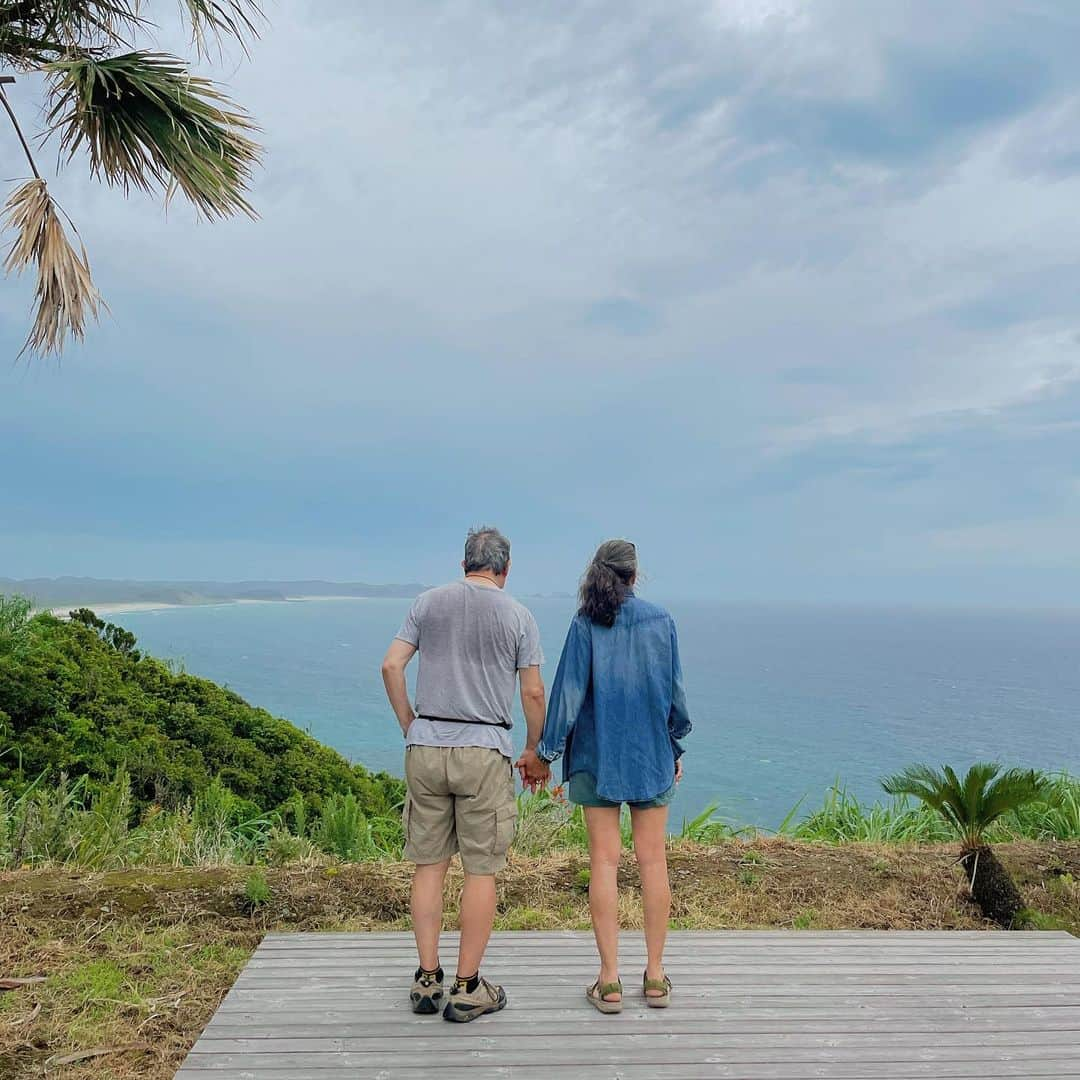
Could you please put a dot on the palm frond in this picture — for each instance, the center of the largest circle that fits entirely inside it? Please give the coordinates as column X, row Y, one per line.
column 972, row 804
column 34, row 32
column 84, row 23
column 1013, row 790
column 148, row 123
column 222, row 18
column 65, row 293
column 920, row 782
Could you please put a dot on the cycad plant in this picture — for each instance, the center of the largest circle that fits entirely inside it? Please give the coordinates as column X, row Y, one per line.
column 970, row 806
column 141, row 119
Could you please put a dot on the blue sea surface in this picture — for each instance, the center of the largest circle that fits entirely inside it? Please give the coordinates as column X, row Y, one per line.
column 784, row 701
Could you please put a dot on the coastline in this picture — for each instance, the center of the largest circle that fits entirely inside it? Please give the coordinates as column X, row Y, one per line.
column 128, row 607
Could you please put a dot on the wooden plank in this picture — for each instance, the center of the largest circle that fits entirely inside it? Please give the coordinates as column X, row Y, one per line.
column 270, row 1002
column 978, row 938
column 641, row 1021
column 1018, row 938
column 689, row 950
column 678, row 950
column 952, row 982
column 618, row 1052
column 1022, row 939
column 406, row 935
column 784, row 944
column 584, row 1046
column 766, row 964
column 839, row 1070
column 751, row 1011
column 1060, row 1070
column 528, row 993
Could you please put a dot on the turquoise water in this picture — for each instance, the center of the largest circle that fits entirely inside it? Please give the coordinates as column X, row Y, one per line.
column 784, row 701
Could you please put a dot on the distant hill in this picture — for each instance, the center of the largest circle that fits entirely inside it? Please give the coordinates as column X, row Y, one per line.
column 77, row 591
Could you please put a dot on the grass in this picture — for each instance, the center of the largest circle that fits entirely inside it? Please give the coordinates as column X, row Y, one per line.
column 140, row 943
column 842, row 818
column 54, row 824
column 143, row 956
column 119, row 985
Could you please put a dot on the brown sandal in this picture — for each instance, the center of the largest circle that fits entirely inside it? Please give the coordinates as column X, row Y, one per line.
column 596, row 994
column 656, row 1001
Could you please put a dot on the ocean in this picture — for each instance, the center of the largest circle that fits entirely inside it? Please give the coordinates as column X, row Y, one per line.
column 784, row 702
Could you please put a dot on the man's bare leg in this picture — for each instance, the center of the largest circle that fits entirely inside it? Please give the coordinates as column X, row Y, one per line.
column 477, row 915
column 427, row 910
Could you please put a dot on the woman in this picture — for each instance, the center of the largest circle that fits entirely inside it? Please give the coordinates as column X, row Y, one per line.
column 617, row 711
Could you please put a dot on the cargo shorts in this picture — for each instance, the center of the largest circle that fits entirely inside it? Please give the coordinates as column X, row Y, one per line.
column 460, row 799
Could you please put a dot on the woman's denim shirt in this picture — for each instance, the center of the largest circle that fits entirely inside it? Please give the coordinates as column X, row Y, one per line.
column 617, row 706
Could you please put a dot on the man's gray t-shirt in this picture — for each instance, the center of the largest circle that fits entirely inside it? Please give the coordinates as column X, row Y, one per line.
column 472, row 641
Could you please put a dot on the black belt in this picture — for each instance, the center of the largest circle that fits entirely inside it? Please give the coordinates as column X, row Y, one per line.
column 458, row 720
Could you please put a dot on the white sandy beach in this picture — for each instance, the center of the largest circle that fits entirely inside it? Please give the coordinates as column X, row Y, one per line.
column 118, row 608
column 127, row 607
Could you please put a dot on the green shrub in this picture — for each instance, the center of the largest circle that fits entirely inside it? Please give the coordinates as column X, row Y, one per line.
column 343, row 829
column 282, row 848
column 297, row 809
column 256, row 889
column 78, row 697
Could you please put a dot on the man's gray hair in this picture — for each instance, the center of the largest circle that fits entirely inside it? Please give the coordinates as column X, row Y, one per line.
column 486, row 549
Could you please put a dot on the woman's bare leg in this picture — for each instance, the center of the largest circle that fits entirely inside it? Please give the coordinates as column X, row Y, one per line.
column 605, row 846
column 650, row 847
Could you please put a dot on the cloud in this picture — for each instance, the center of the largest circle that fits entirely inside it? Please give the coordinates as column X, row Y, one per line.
column 711, row 270
column 621, row 315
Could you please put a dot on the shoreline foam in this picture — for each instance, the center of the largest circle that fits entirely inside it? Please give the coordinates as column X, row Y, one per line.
column 129, row 607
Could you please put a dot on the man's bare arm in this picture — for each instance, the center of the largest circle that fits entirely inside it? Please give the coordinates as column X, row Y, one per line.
column 393, row 676
column 534, row 772
column 533, row 704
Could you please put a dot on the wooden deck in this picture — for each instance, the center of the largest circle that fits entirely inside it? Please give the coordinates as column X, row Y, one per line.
column 753, row 1005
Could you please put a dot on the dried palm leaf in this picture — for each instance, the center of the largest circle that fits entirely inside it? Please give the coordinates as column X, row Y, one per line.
column 65, row 293
column 33, row 32
column 16, row 984
column 222, row 18
column 57, row 1060
column 148, row 123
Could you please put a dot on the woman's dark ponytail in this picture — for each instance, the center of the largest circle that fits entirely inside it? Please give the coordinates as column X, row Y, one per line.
column 607, row 581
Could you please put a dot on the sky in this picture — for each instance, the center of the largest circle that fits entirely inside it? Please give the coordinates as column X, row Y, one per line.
column 784, row 291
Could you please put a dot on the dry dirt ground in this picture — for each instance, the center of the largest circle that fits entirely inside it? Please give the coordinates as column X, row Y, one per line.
column 133, row 963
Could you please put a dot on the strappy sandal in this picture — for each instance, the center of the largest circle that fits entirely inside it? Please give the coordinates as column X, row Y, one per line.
column 656, row 1001
column 596, row 994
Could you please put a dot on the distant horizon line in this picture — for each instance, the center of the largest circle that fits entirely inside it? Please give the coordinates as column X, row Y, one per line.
column 70, row 591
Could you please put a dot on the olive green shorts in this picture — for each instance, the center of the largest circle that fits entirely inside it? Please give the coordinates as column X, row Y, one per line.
column 460, row 799
column 583, row 793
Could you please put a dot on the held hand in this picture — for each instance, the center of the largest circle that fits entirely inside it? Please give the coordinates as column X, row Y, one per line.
column 534, row 772
column 678, row 770
column 544, row 779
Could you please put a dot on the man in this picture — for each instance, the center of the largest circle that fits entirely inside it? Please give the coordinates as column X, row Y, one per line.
column 475, row 643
